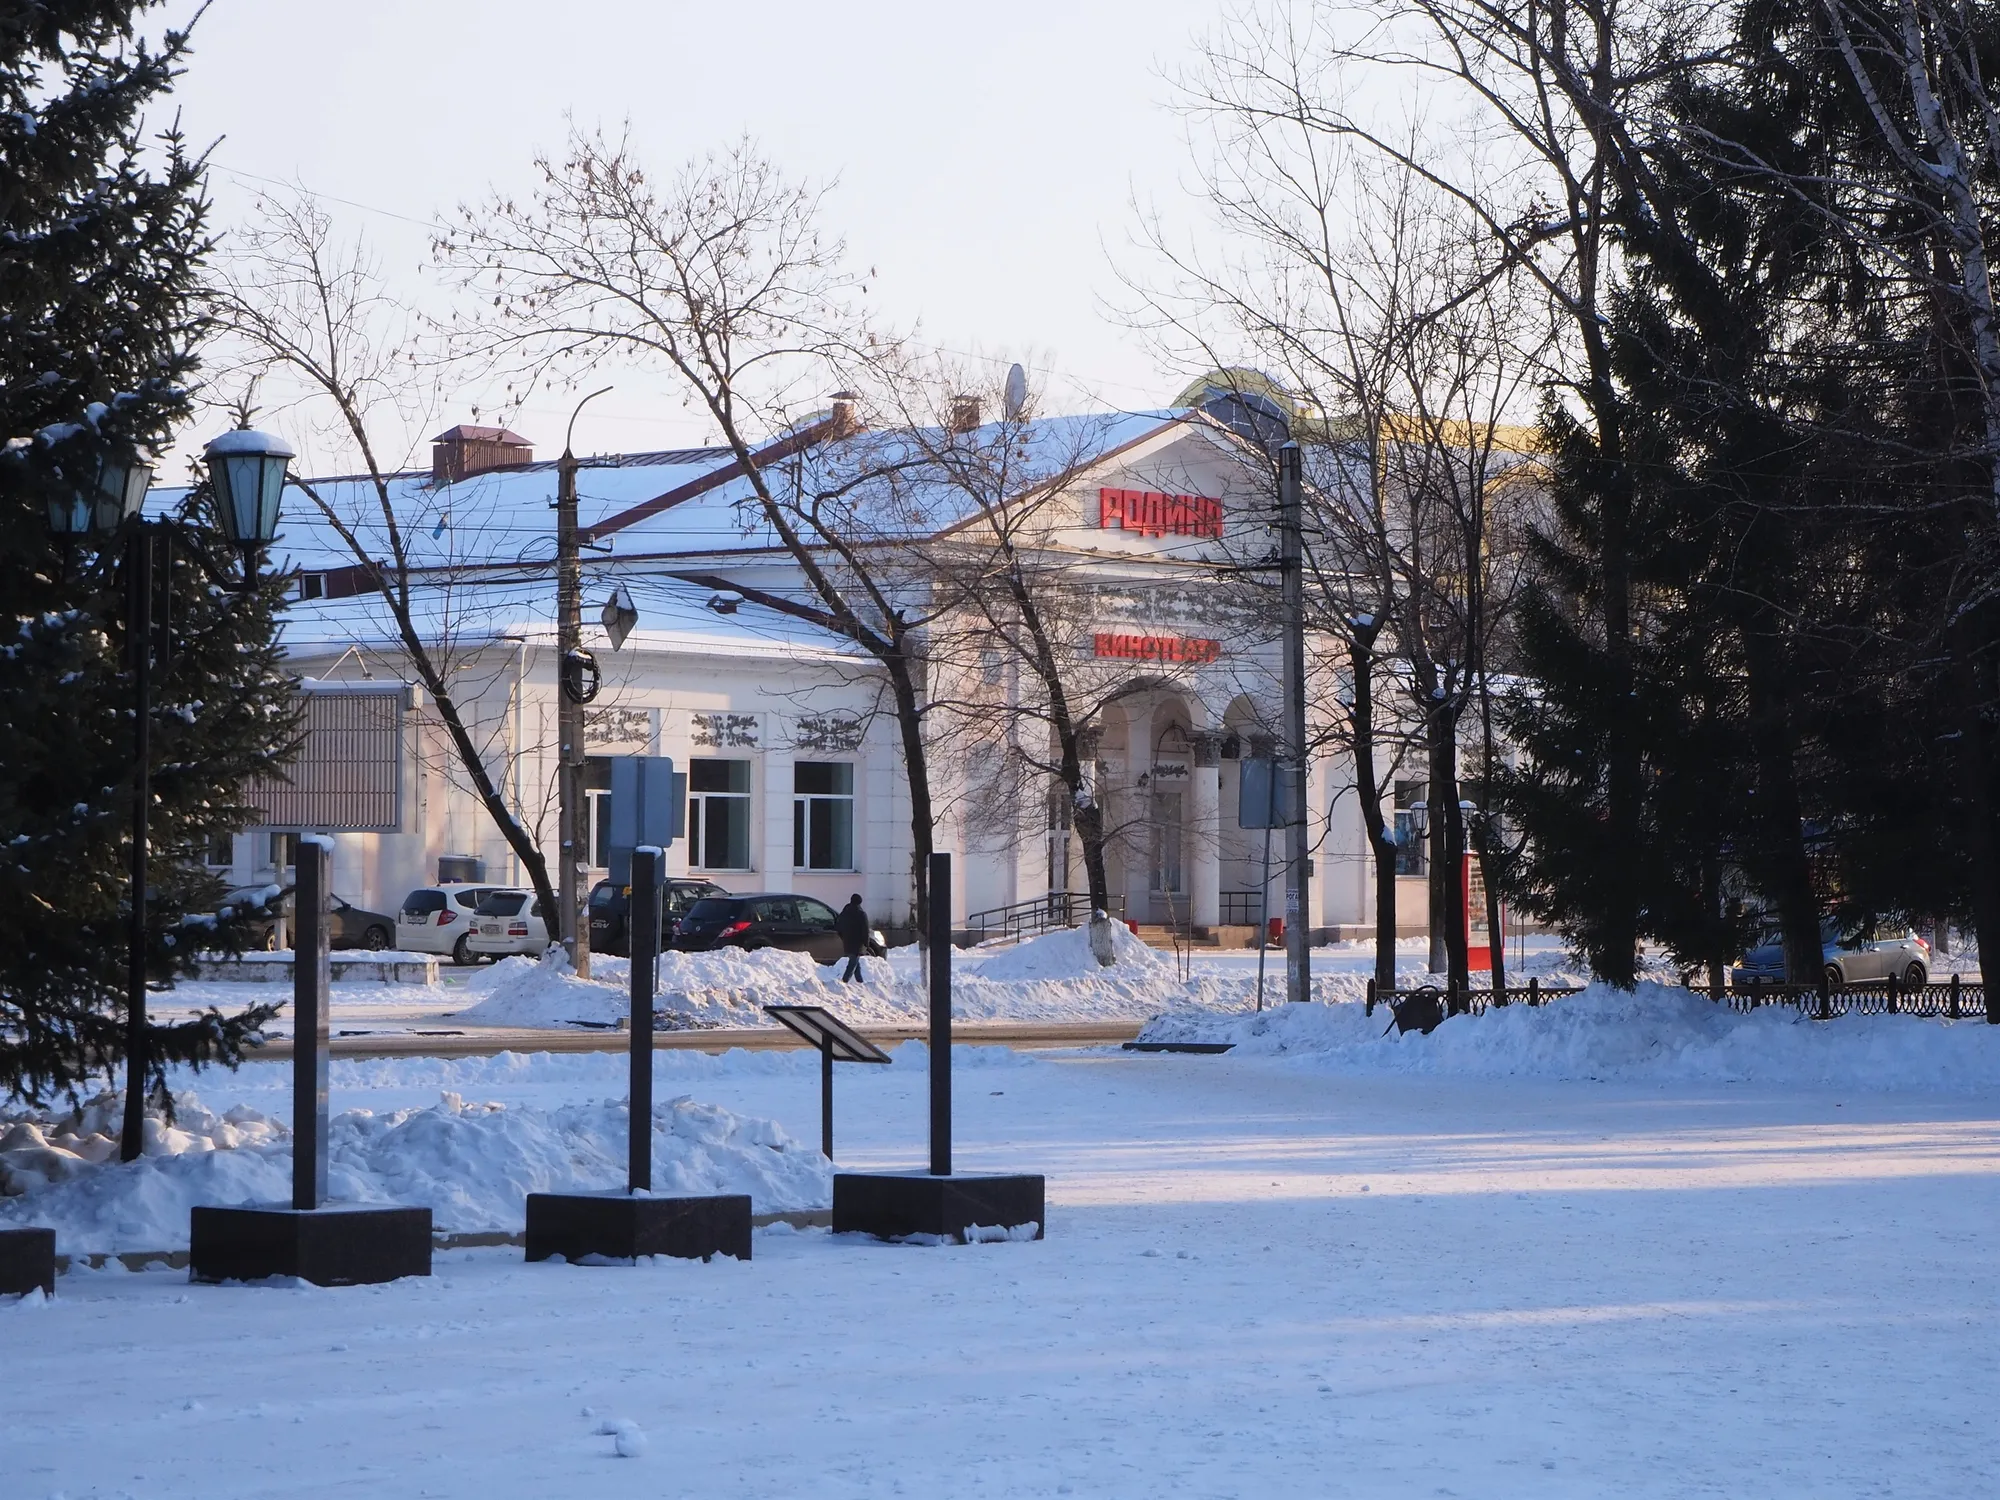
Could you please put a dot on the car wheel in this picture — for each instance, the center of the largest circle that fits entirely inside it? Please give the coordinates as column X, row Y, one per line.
column 461, row 951
column 271, row 940
column 1834, row 979
column 1914, row 977
column 375, row 939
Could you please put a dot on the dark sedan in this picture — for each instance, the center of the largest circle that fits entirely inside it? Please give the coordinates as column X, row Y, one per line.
column 761, row 920
column 351, row 926
column 609, row 903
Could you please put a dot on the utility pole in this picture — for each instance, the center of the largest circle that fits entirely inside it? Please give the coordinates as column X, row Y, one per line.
column 576, row 685
column 1292, row 761
column 573, row 805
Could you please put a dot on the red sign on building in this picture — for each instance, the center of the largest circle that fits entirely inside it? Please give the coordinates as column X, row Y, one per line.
column 1155, row 514
column 1170, row 648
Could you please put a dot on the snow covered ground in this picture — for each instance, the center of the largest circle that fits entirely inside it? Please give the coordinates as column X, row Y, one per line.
column 1270, row 1273
column 1051, row 978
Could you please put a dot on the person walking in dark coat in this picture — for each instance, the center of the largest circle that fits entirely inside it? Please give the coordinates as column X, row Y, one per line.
column 852, row 925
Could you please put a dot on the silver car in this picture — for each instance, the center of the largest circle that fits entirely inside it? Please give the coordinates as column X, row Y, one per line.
column 1906, row 958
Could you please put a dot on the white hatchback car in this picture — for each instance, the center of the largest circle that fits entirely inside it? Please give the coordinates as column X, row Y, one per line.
column 438, row 919
column 509, row 921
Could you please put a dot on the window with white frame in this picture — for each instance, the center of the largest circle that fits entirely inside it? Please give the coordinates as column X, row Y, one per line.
column 822, row 815
column 718, row 823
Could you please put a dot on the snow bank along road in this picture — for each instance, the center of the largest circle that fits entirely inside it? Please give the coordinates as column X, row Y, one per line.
column 1261, row 1280
column 489, row 1041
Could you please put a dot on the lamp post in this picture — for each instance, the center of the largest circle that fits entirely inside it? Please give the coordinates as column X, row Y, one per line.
column 248, row 471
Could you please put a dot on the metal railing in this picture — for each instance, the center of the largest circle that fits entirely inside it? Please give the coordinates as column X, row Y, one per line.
column 1025, row 919
column 1953, row 999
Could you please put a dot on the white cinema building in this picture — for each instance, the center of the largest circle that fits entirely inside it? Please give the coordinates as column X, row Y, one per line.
column 796, row 782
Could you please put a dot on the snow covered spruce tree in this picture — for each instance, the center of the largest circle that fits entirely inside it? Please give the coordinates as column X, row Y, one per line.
column 100, row 310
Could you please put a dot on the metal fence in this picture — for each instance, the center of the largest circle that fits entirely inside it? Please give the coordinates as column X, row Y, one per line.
column 1025, row 919
column 1953, row 999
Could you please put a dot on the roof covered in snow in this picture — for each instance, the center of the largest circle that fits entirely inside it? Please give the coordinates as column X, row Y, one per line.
column 687, row 501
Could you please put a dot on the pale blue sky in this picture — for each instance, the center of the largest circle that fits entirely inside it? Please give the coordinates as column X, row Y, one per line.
column 988, row 158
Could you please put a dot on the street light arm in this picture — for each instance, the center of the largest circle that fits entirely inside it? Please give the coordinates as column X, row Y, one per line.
column 570, row 431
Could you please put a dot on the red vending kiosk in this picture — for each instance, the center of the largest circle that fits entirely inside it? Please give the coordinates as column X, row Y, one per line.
column 1478, row 940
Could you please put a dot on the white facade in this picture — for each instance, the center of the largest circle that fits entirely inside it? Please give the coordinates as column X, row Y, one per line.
column 790, row 727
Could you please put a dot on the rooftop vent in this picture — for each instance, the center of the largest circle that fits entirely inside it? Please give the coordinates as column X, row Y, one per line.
column 462, row 451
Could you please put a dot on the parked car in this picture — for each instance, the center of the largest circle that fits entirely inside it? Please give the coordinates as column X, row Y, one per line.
column 763, row 920
column 609, row 903
column 508, row 921
column 351, row 926
column 1848, row 961
column 264, row 926
column 438, row 919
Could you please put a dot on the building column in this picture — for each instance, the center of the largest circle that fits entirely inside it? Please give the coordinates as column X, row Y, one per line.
column 1205, row 828
column 775, row 858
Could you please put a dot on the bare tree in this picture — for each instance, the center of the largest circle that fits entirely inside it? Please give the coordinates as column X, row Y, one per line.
column 1399, row 336
column 722, row 277
column 1014, row 605
column 306, row 310
column 1539, row 103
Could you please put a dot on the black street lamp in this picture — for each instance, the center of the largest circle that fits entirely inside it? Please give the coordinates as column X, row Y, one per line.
column 248, row 471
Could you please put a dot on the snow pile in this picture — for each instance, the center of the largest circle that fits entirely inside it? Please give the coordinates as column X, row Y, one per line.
column 1066, row 955
column 38, row 1150
column 546, row 992
column 472, row 1164
column 1654, row 1034
column 1051, row 978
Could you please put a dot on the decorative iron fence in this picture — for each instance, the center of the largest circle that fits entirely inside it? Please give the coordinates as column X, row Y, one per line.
column 1953, row 999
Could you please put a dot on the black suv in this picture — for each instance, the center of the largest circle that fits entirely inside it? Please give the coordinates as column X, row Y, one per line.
column 763, row 920
column 608, row 912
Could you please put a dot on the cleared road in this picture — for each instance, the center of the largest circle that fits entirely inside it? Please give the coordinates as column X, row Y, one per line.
column 485, row 1041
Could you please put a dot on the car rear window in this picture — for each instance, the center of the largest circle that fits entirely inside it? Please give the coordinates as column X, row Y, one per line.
column 424, row 901
column 712, row 909
column 603, row 894
column 503, row 903
column 472, row 898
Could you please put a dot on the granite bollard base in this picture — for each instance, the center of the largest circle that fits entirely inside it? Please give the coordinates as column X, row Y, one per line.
column 618, row 1226
column 27, row 1261
column 337, row 1245
column 916, row 1205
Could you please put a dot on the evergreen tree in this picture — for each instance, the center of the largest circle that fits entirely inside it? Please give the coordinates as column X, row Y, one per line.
column 100, row 315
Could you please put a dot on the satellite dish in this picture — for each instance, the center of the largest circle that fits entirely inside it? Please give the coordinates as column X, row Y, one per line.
column 1016, row 404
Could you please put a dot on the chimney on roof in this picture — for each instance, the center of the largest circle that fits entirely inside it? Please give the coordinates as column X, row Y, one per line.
column 843, row 416
column 964, row 413
column 462, row 451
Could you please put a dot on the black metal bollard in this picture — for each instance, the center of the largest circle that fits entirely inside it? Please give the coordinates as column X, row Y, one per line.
column 1534, row 990
column 1894, row 1005
column 1952, row 1011
column 1370, row 1010
column 940, row 1032
column 642, row 922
